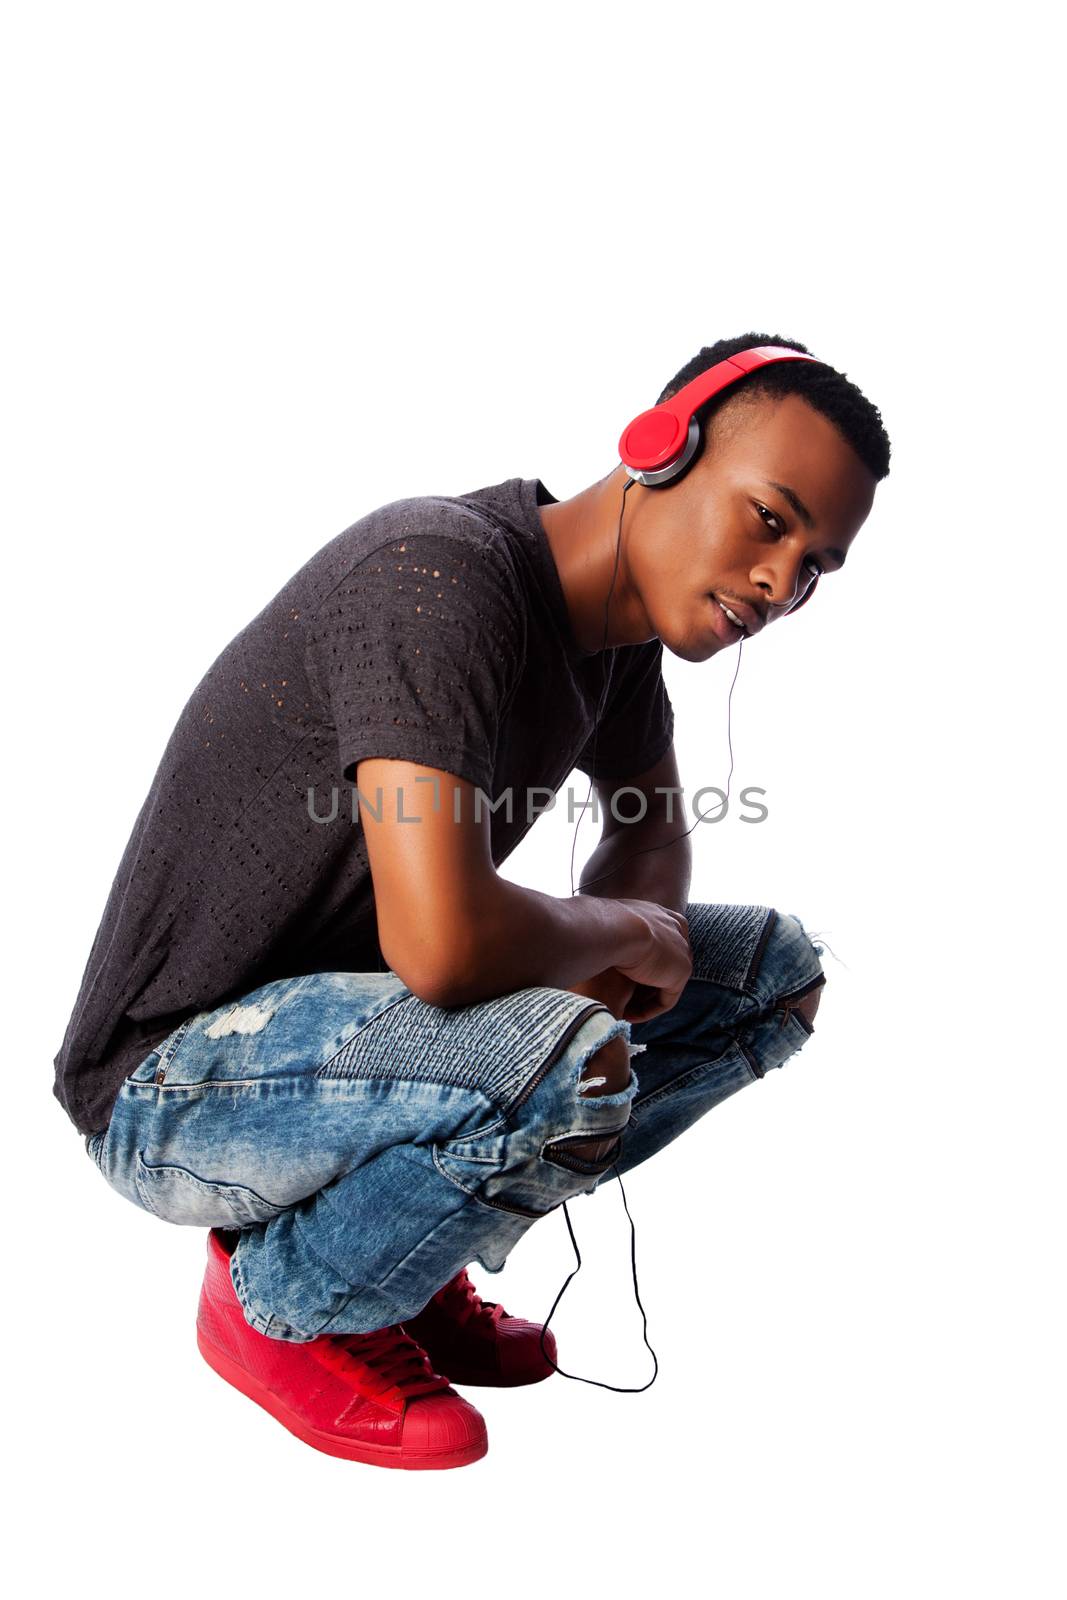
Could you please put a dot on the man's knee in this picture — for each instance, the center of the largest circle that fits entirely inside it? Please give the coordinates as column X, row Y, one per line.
column 809, row 1005
column 606, row 1072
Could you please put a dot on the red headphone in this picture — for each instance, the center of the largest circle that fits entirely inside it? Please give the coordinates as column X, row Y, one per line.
column 657, row 446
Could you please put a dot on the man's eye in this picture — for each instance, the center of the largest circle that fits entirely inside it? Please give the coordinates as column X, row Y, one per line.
column 774, row 522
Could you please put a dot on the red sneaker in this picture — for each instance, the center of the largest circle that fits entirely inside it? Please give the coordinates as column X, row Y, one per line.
column 370, row 1397
column 475, row 1341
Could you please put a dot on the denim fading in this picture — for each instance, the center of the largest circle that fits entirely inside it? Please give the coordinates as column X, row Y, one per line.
column 367, row 1144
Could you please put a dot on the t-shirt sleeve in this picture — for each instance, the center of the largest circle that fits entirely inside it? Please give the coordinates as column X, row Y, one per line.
column 637, row 724
column 417, row 651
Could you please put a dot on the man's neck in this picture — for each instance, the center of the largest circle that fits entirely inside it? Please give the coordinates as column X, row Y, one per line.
column 582, row 534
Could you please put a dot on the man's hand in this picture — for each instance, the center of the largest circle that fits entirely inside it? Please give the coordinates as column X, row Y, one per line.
column 660, row 975
column 610, row 988
column 633, row 1002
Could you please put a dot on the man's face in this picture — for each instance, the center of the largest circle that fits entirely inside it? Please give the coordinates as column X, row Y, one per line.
column 776, row 498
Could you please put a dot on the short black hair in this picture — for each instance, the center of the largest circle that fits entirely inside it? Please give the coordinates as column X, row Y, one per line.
column 823, row 387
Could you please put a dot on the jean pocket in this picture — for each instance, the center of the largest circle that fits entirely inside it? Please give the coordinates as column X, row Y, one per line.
column 538, row 1174
column 475, row 1174
column 153, row 1069
column 174, row 1194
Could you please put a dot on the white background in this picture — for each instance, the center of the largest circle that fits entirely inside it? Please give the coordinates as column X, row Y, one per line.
column 269, row 267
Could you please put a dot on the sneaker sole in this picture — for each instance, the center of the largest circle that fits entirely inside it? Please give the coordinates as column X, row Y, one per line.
column 349, row 1450
column 480, row 1381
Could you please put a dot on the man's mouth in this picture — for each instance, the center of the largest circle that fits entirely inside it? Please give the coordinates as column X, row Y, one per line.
column 727, row 629
column 746, row 618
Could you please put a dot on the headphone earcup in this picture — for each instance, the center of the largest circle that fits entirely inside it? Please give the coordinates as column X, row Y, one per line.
column 640, row 441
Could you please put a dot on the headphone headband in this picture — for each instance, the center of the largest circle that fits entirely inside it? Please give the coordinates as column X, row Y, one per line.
column 657, row 445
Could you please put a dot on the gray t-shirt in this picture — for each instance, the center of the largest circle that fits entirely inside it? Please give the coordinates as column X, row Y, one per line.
column 434, row 630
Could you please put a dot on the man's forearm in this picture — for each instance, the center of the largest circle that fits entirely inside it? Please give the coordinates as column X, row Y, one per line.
column 647, row 860
column 517, row 938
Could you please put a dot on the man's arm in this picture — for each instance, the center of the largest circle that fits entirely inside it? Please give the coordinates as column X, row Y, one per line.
column 650, row 859
column 449, row 926
column 647, row 860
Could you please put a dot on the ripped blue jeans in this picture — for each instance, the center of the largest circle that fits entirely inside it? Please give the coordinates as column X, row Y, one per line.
column 367, row 1144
